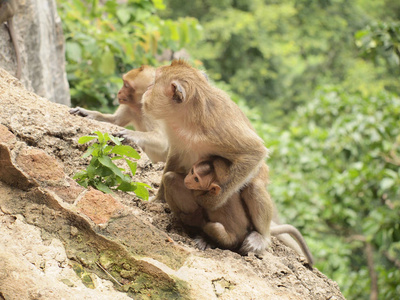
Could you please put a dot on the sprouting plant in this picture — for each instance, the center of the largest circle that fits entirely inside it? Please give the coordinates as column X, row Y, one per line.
column 102, row 173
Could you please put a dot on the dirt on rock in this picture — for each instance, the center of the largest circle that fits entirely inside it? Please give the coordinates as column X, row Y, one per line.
column 57, row 238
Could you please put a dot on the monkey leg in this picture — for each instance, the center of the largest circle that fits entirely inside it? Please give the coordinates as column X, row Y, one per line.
column 255, row 243
column 217, row 232
column 259, row 206
column 181, row 201
column 260, row 210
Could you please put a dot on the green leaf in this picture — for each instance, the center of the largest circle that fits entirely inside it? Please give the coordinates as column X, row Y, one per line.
column 107, row 149
column 125, row 150
column 116, row 140
column 91, row 170
column 86, row 138
column 100, row 137
column 387, row 183
column 117, row 157
column 143, row 184
column 80, row 175
column 102, row 187
column 107, row 162
column 127, row 186
column 73, row 51
column 159, row 4
column 141, row 191
column 132, row 166
column 123, row 15
column 89, row 151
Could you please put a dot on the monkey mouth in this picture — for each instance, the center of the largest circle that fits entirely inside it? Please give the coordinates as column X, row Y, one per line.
column 122, row 100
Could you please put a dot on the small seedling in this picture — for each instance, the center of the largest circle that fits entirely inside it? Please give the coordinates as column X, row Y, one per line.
column 102, row 173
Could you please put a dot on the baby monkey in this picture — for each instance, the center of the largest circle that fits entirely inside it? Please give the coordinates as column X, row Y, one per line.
column 229, row 225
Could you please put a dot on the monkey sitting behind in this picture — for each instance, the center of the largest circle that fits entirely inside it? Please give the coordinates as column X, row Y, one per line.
column 229, row 225
column 148, row 135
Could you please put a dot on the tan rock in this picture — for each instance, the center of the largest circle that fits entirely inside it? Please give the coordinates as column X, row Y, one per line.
column 39, row 165
column 99, row 207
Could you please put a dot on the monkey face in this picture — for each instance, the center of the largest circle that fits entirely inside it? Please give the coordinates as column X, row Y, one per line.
column 135, row 84
column 173, row 92
column 193, row 181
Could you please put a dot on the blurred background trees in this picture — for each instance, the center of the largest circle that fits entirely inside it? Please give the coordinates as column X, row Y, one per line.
column 320, row 82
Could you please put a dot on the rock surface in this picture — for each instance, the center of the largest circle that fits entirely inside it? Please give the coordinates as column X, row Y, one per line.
column 41, row 43
column 57, row 238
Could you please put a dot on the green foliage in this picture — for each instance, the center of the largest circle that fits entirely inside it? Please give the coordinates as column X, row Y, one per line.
column 102, row 173
column 336, row 173
column 381, row 41
column 276, row 53
column 105, row 41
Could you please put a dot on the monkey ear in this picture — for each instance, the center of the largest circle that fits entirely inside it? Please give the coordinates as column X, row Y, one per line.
column 214, row 189
column 178, row 93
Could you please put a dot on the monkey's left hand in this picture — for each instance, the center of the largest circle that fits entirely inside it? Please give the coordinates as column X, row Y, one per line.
column 79, row 111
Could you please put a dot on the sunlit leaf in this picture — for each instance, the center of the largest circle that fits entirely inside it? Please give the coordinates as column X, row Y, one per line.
column 132, row 166
column 125, row 150
column 85, row 139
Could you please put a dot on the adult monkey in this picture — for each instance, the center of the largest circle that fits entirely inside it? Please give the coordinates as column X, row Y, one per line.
column 200, row 121
column 148, row 135
column 8, row 8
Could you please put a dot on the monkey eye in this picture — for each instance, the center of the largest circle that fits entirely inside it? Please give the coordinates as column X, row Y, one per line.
column 196, row 179
column 126, row 85
column 191, row 171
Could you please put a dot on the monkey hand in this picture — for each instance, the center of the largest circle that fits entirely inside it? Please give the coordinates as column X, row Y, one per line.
column 129, row 136
column 255, row 243
column 79, row 111
column 202, row 243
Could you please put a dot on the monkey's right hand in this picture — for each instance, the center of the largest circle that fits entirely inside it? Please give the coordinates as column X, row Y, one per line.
column 79, row 111
column 129, row 136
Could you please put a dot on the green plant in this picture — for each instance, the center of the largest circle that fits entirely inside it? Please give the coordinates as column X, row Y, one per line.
column 102, row 173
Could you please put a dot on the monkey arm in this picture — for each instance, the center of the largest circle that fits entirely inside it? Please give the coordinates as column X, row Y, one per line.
column 122, row 116
column 243, row 168
column 171, row 166
column 152, row 142
column 94, row 115
column 219, row 234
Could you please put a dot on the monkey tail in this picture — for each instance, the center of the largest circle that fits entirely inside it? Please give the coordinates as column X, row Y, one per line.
column 295, row 234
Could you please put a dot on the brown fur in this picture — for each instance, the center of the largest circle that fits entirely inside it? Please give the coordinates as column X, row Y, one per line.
column 229, row 225
column 201, row 121
column 148, row 134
